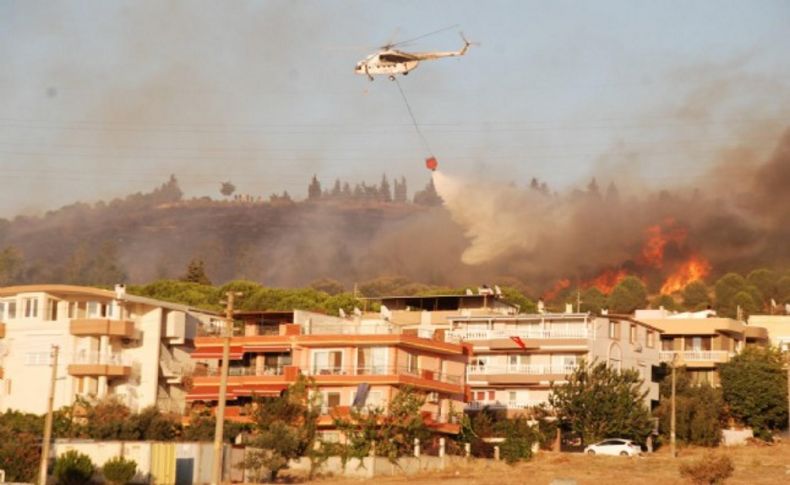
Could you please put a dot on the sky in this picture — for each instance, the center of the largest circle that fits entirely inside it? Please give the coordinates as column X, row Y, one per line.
column 102, row 99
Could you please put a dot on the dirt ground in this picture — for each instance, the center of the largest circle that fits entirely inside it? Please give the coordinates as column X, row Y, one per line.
column 753, row 465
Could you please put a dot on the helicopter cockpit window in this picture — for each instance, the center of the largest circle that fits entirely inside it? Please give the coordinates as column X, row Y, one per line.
column 393, row 58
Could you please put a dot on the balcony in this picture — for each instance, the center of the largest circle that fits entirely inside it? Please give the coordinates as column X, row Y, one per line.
column 527, row 369
column 523, row 333
column 102, row 326
column 519, row 374
column 247, row 371
column 96, row 364
column 519, row 404
column 384, row 370
column 696, row 358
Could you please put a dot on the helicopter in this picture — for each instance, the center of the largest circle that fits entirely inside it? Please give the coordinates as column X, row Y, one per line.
column 390, row 62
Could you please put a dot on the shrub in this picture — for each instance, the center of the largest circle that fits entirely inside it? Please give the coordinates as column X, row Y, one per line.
column 73, row 468
column 708, row 470
column 119, row 471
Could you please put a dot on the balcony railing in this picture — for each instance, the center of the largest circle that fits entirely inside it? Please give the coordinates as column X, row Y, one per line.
column 384, row 370
column 696, row 355
column 97, row 358
column 524, row 333
column 352, row 330
column 247, row 371
column 518, row 404
column 526, row 369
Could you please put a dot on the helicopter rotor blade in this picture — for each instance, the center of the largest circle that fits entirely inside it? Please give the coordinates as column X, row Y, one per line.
column 422, row 36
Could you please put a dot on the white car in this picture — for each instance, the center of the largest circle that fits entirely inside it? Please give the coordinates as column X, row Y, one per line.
column 615, row 447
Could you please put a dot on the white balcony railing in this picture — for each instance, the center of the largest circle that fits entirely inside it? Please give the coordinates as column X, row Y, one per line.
column 383, row 370
column 696, row 355
column 526, row 369
column 518, row 404
column 524, row 333
column 97, row 358
column 351, row 330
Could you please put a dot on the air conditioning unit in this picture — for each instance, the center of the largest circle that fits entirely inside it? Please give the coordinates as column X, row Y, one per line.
column 433, row 397
column 638, row 348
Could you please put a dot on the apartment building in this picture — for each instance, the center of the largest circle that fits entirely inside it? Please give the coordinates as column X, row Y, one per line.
column 778, row 328
column 110, row 344
column 355, row 361
column 518, row 357
column 701, row 341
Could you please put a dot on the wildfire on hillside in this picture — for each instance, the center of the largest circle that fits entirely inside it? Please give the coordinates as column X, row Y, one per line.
column 653, row 263
column 606, row 281
column 658, row 236
column 691, row 270
column 557, row 288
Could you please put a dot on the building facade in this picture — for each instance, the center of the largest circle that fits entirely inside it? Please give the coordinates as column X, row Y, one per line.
column 344, row 356
column 778, row 328
column 518, row 357
column 701, row 341
column 110, row 344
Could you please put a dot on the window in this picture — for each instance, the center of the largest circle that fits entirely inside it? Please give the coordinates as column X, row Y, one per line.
column 512, row 396
column 330, row 400
column 30, row 306
column 632, row 334
column 615, row 356
column 11, row 310
column 698, row 343
column 372, row 360
column 614, row 330
column 96, row 309
column 480, row 395
column 491, row 395
column 651, row 339
column 667, row 343
column 52, row 310
column 412, row 363
column 374, row 400
column 38, row 358
column 326, row 362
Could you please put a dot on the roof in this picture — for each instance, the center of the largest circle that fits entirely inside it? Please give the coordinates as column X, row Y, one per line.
column 90, row 291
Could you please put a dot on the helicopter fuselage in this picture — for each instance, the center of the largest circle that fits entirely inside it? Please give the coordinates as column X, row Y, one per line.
column 389, row 63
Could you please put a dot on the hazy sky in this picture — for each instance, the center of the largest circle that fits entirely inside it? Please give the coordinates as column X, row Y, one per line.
column 99, row 99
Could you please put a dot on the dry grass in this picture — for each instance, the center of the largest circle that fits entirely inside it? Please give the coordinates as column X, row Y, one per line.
column 753, row 465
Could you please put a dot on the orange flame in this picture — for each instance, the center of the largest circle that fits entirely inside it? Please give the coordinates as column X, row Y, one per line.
column 694, row 269
column 658, row 237
column 607, row 280
column 557, row 288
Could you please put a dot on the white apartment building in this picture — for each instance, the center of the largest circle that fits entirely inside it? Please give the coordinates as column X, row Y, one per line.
column 110, row 344
column 517, row 357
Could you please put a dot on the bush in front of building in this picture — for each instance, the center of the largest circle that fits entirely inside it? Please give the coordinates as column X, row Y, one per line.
column 119, row 470
column 285, row 428
column 699, row 411
column 708, row 470
column 600, row 402
column 73, row 468
column 754, row 386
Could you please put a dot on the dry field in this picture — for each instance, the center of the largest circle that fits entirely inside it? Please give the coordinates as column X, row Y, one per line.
column 753, row 465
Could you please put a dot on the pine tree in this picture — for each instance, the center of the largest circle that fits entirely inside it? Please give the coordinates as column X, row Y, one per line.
column 385, row 195
column 428, row 196
column 400, row 193
column 314, row 189
column 336, row 191
column 196, row 273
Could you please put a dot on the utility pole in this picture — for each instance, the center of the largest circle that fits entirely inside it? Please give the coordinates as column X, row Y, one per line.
column 42, row 472
column 672, row 418
column 223, row 389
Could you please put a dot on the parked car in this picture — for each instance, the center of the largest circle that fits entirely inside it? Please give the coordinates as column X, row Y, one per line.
column 614, row 446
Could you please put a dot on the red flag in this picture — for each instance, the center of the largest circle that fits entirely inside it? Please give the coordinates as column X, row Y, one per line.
column 519, row 342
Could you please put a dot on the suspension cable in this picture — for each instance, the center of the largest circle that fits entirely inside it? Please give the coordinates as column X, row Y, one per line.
column 413, row 119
